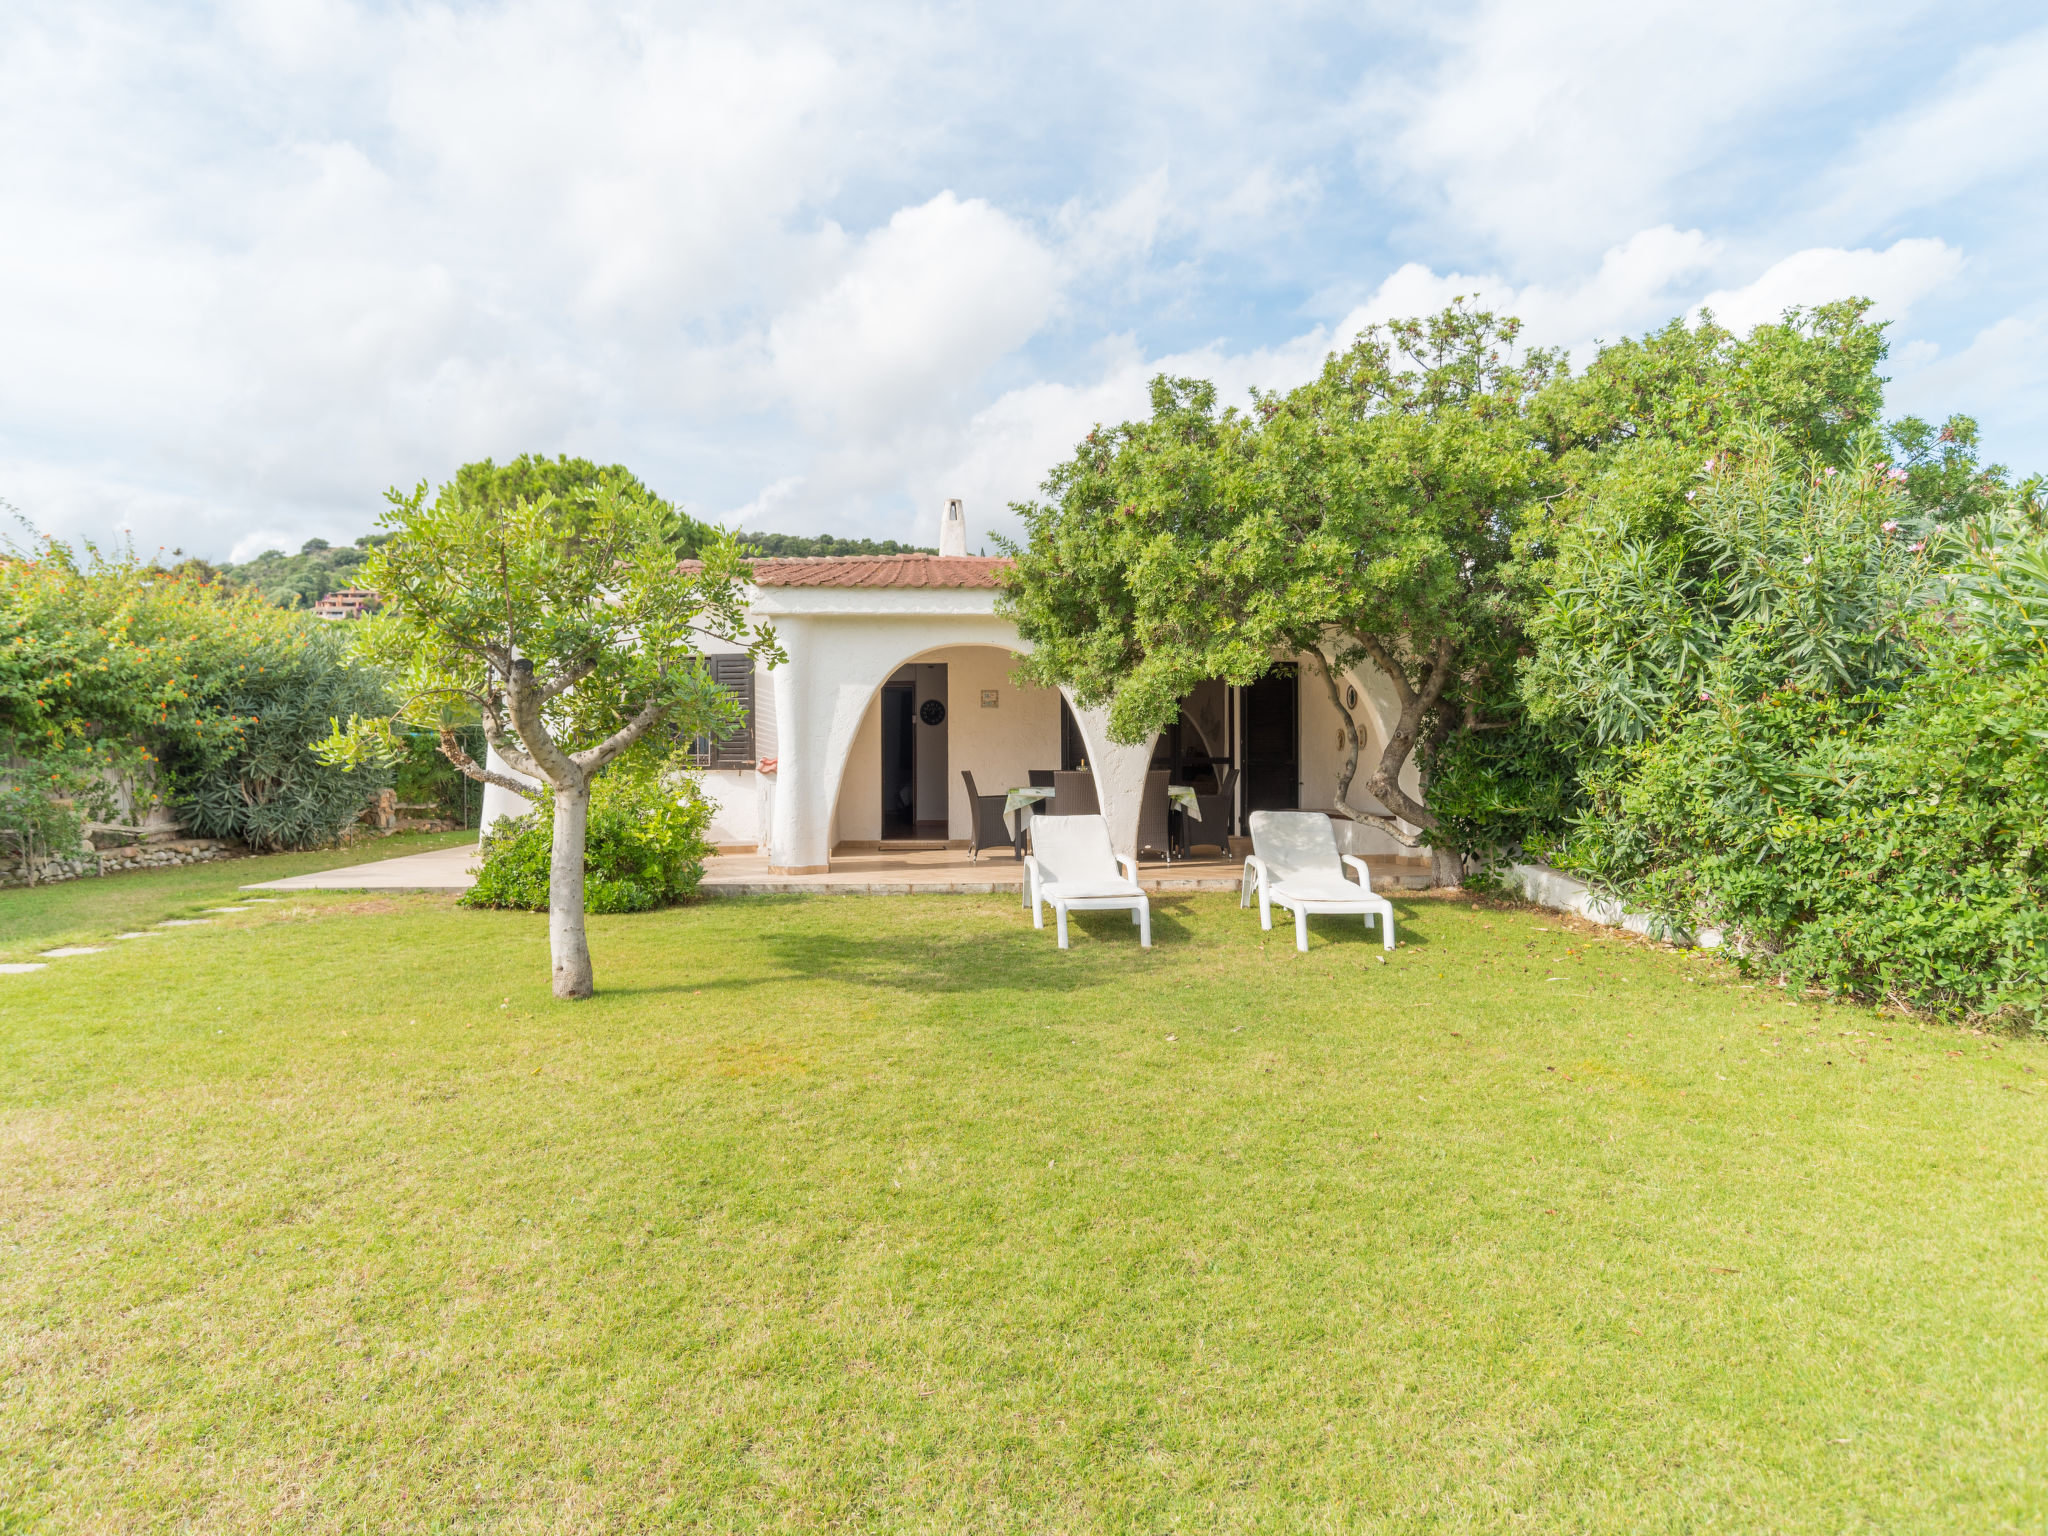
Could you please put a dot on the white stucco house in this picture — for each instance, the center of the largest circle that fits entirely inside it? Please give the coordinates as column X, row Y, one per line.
column 898, row 685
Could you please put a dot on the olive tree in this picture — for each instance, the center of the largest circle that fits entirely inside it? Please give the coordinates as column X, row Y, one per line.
column 565, row 622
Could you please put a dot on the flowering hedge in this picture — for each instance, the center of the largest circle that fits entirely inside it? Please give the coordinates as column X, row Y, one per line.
column 202, row 695
column 1825, row 730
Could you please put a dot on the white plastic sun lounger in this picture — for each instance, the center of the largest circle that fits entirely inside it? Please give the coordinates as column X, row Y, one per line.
column 1295, row 864
column 1073, row 867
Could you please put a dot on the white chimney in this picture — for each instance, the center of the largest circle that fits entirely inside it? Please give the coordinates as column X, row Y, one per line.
column 953, row 529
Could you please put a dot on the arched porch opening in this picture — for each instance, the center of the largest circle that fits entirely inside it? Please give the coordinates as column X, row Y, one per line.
column 991, row 729
column 824, row 695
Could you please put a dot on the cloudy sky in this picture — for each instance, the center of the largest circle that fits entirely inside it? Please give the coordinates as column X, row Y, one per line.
column 815, row 268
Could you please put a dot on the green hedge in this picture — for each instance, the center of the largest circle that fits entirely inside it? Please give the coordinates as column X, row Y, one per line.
column 210, row 695
column 1834, row 746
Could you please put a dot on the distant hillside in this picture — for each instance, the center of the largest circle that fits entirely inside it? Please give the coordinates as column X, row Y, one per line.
column 293, row 581
column 301, row 580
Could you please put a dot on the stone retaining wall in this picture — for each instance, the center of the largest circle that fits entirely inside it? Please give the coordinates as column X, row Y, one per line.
column 110, row 861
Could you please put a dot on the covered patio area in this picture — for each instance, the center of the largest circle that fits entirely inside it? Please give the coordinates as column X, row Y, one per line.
column 947, row 871
column 879, row 872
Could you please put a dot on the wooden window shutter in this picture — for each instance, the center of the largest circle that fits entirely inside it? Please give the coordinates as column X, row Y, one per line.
column 735, row 674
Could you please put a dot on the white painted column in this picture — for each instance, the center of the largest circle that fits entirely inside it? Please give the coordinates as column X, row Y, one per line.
column 1119, row 775
column 500, row 802
column 799, row 833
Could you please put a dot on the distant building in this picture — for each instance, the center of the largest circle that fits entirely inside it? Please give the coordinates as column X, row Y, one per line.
column 349, row 603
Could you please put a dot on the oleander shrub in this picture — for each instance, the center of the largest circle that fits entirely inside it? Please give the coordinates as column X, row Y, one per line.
column 1826, row 734
column 644, row 846
column 264, row 787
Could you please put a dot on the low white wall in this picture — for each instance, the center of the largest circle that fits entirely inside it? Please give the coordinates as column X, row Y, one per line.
column 1560, row 892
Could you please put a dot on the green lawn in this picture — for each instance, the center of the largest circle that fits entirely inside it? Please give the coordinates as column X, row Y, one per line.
column 74, row 911
column 882, row 1214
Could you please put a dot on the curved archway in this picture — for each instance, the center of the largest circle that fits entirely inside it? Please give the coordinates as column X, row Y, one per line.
column 837, row 668
column 997, row 744
column 838, row 662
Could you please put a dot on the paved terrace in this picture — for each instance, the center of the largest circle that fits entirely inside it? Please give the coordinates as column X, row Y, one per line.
column 939, row 871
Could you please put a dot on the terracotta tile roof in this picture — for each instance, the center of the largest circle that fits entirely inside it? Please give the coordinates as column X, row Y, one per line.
column 877, row 571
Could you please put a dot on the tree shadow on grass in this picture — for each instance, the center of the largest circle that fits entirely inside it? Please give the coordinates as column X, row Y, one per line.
column 1327, row 930
column 942, row 960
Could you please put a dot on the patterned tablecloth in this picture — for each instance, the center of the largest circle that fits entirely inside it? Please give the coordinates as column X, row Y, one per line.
column 1017, row 804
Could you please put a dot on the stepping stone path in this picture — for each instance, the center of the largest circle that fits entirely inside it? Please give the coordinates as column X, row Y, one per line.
column 22, row 967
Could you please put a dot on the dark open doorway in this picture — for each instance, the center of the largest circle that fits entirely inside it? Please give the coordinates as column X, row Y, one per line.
column 914, row 752
column 899, row 760
column 1073, row 747
column 1272, row 741
column 1195, row 749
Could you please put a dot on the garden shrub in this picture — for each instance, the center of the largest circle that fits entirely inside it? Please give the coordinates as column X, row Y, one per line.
column 644, row 847
column 1889, row 855
column 1840, row 755
column 265, row 788
column 1809, row 570
column 110, row 668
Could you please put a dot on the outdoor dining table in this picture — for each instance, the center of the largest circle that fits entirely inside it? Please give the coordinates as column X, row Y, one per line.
column 1017, row 808
column 1182, row 798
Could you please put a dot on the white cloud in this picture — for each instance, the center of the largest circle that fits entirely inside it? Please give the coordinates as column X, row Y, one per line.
column 1657, row 273
column 1550, row 130
column 389, row 242
column 1008, row 446
column 1641, row 281
column 2001, row 378
column 256, row 541
column 1125, row 229
column 1896, row 278
column 924, row 306
column 1003, row 453
column 261, row 258
column 1987, row 123
column 647, row 165
column 767, row 512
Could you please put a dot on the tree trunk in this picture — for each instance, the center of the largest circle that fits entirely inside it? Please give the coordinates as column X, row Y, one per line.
column 1446, row 868
column 568, row 948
